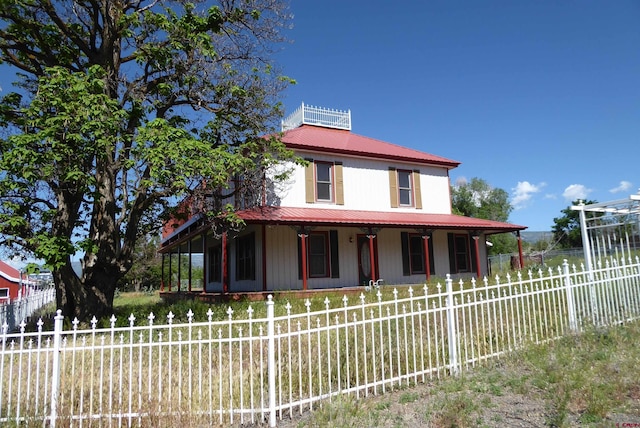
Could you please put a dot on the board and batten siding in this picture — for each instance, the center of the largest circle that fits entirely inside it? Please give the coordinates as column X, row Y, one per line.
column 282, row 260
column 366, row 186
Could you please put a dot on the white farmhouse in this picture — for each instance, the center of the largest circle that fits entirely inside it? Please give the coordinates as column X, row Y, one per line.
column 361, row 211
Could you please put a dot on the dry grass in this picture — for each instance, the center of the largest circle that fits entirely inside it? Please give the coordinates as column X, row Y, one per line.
column 586, row 380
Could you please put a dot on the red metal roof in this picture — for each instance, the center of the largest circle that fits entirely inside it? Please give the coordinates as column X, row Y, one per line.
column 308, row 137
column 9, row 273
column 357, row 218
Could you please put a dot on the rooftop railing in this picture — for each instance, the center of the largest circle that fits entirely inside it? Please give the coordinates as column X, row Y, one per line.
column 318, row 116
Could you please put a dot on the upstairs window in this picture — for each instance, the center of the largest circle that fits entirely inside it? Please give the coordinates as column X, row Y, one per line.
column 404, row 188
column 324, row 182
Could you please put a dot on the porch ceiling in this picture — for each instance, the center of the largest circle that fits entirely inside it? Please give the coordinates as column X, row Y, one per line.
column 357, row 218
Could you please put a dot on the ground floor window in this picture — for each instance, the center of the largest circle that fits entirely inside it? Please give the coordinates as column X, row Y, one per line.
column 322, row 254
column 318, row 255
column 461, row 253
column 413, row 256
column 215, row 264
column 4, row 293
column 245, row 257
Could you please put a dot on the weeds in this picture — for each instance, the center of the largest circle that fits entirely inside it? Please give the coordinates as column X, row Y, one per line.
column 579, row 380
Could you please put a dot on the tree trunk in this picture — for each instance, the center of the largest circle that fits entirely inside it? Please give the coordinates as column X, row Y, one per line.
column 81, row 300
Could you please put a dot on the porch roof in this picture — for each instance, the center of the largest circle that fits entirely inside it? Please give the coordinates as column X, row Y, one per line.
column 358, row 218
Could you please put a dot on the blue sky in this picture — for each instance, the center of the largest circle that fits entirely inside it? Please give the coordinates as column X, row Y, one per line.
column 539, row 98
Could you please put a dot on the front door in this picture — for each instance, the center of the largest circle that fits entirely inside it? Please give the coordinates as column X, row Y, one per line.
column 364, row 259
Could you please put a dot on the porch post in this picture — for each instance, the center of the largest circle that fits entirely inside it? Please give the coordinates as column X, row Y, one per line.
column 425, row 240
column 264, row 257
column 520, row 249
column 204, row 262
column 169, row 277
column 162, row 273
column 225, row 263
column 190, row 263
column 303, row 248
column 372, row 257
column 476, row 238
column 179, row 267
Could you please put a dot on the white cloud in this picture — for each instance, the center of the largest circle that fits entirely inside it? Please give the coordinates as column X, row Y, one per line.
column 576, row 191
column 523, row 192
column 622, row 187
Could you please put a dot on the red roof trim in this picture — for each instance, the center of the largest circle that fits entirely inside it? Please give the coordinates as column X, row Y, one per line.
column 326, row 217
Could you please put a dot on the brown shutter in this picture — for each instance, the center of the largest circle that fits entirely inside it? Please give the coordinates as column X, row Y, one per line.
column 417, row 194
column 393, row 187
column 309, row 182
column 339, row 184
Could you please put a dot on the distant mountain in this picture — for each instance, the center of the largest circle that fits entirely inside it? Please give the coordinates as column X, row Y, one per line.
column 536, row 236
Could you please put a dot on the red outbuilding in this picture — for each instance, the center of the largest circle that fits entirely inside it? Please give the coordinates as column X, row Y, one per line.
column 11, row 283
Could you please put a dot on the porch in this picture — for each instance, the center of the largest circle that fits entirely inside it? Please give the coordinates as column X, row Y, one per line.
column 302, row 249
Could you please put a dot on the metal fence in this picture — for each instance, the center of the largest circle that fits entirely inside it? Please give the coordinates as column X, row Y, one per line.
column 501, row 263
column 21, row 309
column 249, row 369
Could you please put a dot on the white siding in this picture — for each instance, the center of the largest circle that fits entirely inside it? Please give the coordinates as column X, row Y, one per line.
column 366, row 186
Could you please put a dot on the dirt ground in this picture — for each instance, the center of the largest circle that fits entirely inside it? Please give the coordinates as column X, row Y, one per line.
column 429, row 405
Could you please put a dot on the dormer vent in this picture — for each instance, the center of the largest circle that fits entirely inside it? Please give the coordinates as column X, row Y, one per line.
column 317, row 116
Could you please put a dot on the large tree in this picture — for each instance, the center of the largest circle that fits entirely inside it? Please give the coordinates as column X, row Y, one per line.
column 477, row 198
column 122, row 108
column 566, row 228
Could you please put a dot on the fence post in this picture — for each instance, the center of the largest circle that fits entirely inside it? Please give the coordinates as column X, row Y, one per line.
column 451, row 328
column 271, row 360
column 568, row 287
column 55, row 369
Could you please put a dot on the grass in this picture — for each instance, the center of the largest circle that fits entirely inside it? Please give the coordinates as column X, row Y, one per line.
column 575, row 380
column 585, row 380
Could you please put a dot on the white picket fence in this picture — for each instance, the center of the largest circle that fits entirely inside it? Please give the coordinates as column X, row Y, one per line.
column 258, row 370
column 15, row 311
